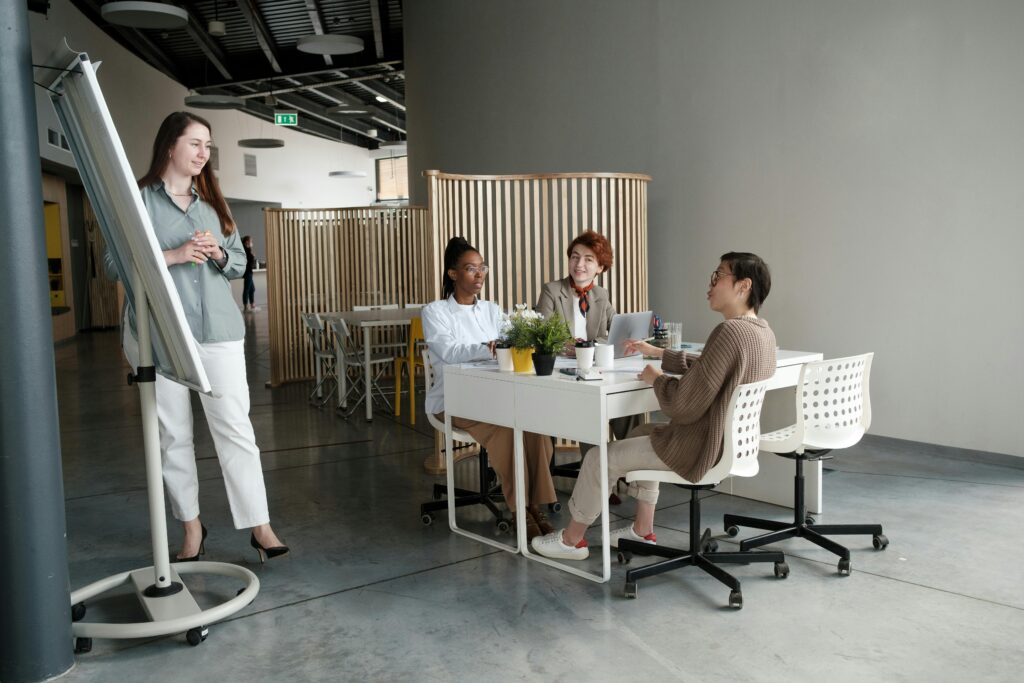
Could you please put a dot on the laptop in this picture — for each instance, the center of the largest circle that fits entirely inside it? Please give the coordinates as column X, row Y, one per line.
column 628, row 326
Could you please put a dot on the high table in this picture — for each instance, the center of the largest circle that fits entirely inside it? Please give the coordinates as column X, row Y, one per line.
column 367, row 321
column 559, row 405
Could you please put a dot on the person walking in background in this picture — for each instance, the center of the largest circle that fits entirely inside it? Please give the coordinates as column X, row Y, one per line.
column 248, row 286
column 201, row 250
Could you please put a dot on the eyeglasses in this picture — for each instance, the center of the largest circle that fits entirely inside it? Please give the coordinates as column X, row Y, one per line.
column 717, row 275
column 473, row 270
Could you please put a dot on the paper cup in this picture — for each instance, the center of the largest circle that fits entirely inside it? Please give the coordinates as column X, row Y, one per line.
column 604, row 356
column 584, row 357
column 505, row 360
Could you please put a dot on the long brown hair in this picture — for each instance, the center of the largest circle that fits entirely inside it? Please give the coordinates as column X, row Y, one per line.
column 171, row 129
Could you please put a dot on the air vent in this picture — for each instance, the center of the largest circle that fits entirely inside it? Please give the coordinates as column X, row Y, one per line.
column 250, row 164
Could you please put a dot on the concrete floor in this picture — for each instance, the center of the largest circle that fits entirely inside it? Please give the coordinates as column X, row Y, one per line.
column 370, row 594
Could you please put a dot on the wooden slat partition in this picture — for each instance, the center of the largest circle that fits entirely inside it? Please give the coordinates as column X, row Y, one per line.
column 522, row 224
column 321, row 260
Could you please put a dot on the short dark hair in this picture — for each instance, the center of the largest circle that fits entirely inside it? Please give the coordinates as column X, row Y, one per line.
column 457, row 246
column 598, row 244
column 746, row 265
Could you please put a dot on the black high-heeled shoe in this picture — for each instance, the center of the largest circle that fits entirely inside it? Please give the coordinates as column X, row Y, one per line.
column 202, row 549
column 267, row 553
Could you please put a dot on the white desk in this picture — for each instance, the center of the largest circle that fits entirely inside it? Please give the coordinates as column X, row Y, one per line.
column 367, row 320
column 561, row 406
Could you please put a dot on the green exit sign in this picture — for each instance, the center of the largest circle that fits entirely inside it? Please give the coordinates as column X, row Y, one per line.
column 286, row 118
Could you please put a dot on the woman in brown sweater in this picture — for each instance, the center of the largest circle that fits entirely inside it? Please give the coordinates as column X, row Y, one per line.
column 741, row 349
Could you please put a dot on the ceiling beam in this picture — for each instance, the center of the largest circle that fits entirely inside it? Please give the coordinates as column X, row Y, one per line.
column 379, row 15
column 252, row 15
column 319, row 72
column 313, row 9
column 332, row 132
column 301, row 104
column 205, row 43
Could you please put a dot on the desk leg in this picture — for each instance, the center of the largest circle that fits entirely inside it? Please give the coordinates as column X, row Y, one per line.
column 450, row 479
column 342, row 370
column 519, row 467
column 366, row 374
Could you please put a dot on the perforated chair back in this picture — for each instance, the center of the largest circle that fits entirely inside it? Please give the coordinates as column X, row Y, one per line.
column 428, row 374
column 740, row 441
column 833, row 407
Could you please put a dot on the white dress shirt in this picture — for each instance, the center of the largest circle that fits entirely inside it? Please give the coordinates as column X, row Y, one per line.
column 457, row 333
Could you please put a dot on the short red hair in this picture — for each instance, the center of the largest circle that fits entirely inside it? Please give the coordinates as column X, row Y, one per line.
column 598, row 244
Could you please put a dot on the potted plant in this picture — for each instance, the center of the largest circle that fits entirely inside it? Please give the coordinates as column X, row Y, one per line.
column 520, row 338
column 549, row 336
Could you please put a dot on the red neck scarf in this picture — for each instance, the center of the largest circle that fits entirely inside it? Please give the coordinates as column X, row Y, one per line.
column 581, row 292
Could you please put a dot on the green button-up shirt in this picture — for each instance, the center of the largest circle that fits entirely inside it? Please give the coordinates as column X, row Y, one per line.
column 204, row 290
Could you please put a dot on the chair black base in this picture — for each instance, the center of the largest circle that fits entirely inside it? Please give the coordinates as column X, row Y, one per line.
column 804, row 526
column 702, row 554
column 487, row 495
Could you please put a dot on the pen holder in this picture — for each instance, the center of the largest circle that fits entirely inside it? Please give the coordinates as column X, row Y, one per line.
column 604, row 356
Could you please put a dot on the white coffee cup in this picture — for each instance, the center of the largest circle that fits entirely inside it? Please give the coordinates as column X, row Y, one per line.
column 584, row 357
column 505, row 360
column 604, row 356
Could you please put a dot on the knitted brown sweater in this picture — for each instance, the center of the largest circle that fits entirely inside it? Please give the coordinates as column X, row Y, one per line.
column 739, row 351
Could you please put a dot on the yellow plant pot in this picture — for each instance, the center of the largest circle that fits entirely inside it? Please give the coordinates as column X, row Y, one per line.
column 522, row 359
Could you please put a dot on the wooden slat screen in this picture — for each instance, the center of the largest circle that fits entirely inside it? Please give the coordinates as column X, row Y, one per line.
column 321, row 260
column 522, row 225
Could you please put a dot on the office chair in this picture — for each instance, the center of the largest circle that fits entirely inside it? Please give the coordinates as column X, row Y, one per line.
column 323, row 357
column 833, row 410
column 489, row 492
column 411, row 361
column 739, row 459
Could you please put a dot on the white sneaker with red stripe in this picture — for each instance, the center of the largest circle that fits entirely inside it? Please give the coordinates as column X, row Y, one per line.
column 551, row 545
column 627, row 532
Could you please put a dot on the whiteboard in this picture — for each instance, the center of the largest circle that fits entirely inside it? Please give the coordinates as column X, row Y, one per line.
column 124, row 220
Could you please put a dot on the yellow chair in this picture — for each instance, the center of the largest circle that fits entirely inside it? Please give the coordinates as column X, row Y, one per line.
column 411, row 361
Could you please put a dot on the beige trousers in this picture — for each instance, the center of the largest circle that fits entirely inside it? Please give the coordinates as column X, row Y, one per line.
column 497, row 440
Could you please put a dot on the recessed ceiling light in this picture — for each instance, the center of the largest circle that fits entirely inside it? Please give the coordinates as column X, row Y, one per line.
column 330, row 44
column 381, row 98
column 345, row 109
column 214, row 102
column 261, row 143
column 156, row 15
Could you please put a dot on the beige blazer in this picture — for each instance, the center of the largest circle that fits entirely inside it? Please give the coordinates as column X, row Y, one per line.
column 558, row 296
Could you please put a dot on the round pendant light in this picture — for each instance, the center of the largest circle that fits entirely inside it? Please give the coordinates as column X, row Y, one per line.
column 330, row 44
column 155, row 15
column 347, row 174
column 214, row 101
column 261, row 143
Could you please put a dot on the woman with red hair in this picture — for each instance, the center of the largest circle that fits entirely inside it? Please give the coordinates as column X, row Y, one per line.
column 578, row 298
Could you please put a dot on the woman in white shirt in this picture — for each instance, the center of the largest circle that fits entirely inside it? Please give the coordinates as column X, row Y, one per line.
column 460, row 328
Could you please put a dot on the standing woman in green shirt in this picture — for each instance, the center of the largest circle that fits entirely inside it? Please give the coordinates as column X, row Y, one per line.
column 202, row 251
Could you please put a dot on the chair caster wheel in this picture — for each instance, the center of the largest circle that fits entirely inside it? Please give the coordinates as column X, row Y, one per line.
column 196, row 635
column 844, row 567
column 781, row 570
column 625, row 556
column 427, row 519
column 736, row 599
column 880, row 542
column 555, row 507
column 78, row 611
column 83, row 645
column 808, row 520
column 630, row 590
column 613, row 499
column 732, row 530
column 711, row 546
column 504, row 526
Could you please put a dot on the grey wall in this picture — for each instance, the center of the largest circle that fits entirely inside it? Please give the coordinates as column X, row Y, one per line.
column 870, row 151
column 250, row 221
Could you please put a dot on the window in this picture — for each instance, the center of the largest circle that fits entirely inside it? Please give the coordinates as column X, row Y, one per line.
column 392, row 178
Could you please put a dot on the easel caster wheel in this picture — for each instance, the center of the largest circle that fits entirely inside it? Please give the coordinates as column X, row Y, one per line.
column 555, row 507
column 808, row 520
column 844, row 568
column 711, row 546
column 83, row 645
column 78, row 611
column 736, row 599
column 880, row 542
column 625, row 556
column 427, row 519
column 504, row 526
column 196, row 635
column 732, row 530
column 781, row 570
column 630, row 590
